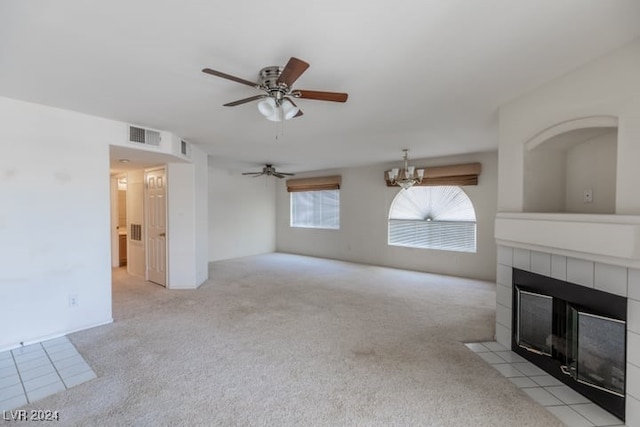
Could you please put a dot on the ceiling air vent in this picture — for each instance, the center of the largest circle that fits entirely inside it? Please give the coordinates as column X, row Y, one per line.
column 144, row 136
column 185, row 150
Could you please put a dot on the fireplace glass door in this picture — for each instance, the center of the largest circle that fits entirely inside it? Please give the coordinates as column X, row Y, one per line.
column 598, row 351
column 534, row 322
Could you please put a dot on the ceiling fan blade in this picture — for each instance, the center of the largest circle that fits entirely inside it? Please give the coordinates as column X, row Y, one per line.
column 278, row 175
column 243, row 101
column 294, row 69
column 287, row 174
column 253, row 173
column 320, row 95
column 229, row 77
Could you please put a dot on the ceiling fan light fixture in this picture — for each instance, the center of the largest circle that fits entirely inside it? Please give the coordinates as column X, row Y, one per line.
column 267, row 107
column 277, row 111
column 289, row 110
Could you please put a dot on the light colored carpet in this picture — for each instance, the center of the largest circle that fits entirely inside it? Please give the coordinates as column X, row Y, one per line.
column 286, row 340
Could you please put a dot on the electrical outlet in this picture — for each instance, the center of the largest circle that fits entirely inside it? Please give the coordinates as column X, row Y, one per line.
column 73, row 301
column 587, row 196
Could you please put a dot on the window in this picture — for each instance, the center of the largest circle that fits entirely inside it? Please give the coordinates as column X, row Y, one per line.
column 438, row 217
column 316, row 209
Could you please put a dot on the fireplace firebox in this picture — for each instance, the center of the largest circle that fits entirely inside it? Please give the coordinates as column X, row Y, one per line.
column 576, row 334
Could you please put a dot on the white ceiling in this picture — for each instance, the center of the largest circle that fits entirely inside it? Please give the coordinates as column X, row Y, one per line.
column 427, row 75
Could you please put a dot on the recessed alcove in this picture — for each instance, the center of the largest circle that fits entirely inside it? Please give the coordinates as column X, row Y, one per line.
column 572, row 171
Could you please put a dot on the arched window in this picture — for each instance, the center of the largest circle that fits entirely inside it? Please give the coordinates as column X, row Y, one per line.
column 440, row 217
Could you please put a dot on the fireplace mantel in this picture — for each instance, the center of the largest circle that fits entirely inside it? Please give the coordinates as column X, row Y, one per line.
column 611, row 239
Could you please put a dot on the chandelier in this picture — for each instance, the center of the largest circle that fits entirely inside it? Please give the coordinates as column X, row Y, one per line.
column 406, row 177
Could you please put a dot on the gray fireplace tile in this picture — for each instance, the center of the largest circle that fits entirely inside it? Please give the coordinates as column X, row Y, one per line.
column 523, row 382
column 503, row 334
column 567, row 394
column 569, row 417
column 546, row 380
column 494, row 346
column 611, row 278
column 477, row 347
column 508, row 370
column 633, row 380
column 633, row 347
column 522, row 259
column 541, row 263
column 504, row 296
column 510, row 356
column 633, row 316
column 634, row 284
column 504, row 275
column 596, row 414
column 580, row 271
column 491, row 358
column 542, row 396
column 505, row 256
column 503, row 315
column 632, row 406
column 559, row 267
column 529, row 369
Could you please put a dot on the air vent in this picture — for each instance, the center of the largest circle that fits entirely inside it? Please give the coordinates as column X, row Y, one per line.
column 185, row 149
column 136, row 232
column 144, row 136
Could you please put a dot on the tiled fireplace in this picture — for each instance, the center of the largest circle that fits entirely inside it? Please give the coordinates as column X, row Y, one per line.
column 573, row 332
column 584, row 270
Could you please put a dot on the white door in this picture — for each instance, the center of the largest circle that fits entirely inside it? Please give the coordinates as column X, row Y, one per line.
column 156, row 225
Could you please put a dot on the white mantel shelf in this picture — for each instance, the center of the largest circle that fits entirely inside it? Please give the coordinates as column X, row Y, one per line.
column 612, row 239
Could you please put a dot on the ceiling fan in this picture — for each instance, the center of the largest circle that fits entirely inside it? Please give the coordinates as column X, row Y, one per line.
column 269, row 170
column 277, row 103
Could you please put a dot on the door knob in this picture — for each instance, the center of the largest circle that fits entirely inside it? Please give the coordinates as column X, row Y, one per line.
column 162, row 234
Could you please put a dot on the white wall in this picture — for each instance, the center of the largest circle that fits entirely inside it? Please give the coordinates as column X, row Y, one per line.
column 545, row 180
column 188, row 252
column 242, row 214
column 364, row 209
column 54, row 221
column 606, row 87
column 592, row 166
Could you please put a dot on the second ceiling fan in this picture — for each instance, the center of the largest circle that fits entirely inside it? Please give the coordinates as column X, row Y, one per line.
column 276, row 82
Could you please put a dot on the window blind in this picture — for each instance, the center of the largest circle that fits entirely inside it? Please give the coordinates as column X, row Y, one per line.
column 442, row 235
column 315, row 209
column 441, row 218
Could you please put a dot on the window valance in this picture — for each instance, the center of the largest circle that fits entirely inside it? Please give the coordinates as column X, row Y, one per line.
column 314, row 184
column 463, row 174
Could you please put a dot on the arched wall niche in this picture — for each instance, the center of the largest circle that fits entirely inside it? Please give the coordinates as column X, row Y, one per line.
column 571, row 167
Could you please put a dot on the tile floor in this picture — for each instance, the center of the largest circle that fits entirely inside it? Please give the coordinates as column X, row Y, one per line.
column 35, row 371
column 570, row 407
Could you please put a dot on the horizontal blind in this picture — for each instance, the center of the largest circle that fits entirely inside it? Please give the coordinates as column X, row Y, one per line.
column 443, row 235
column 315, row 209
